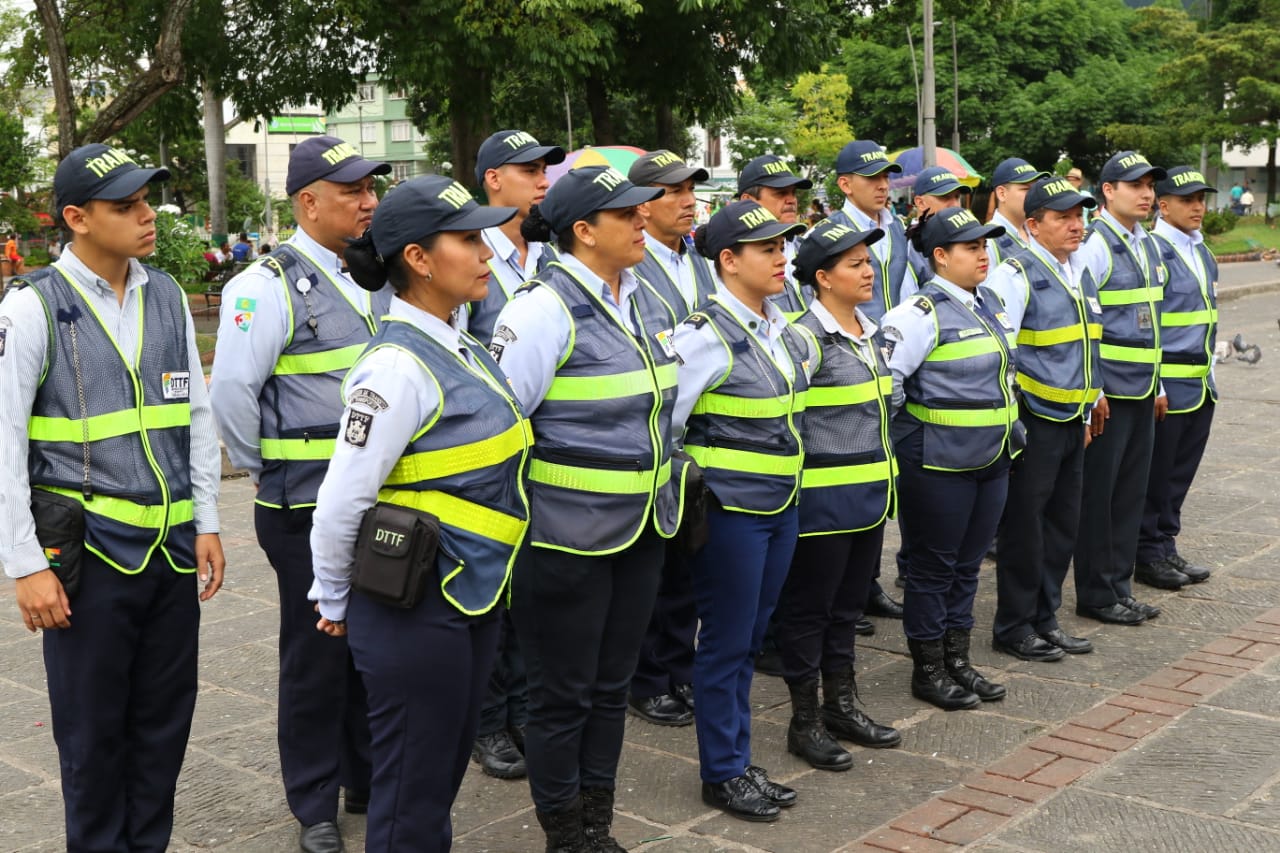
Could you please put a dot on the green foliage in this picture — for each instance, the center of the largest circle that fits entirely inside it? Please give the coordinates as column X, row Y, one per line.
column 245, row 201
column 1218, row 221
column 179, row 250
column 760, row 127
column 17, row 154
column 16, row 216
column 822, row 128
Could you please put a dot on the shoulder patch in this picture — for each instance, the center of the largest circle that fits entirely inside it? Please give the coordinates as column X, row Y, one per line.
column 697, row 320
column 1016, row 264
column 922, row 305
column 359, row 425
column 528, row 285
column 371, row 400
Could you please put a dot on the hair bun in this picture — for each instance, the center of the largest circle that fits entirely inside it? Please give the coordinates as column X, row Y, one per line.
column 535, row 229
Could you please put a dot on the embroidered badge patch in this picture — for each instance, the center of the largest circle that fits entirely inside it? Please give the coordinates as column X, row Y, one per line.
column 244, row 303
column 176, row 385
column 243, row 320
column 358, row 426
column 371, row 400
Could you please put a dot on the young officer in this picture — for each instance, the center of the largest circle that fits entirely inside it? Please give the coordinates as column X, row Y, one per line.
column 291, row 327
column 1011, row 179
column 1188, row 331
column 111, row 470
column 1050, row 299
column 662, row 687
column 935, row 188
column 430, row 426
column 951, row 351
column 768, row 181
column 1126, row 264
column 743, row 374
column 587, row 347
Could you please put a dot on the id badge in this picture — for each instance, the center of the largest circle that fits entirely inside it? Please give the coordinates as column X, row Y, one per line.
column 1093, row 305
column 666, row 339
column 1144, row 317
column 176, row 385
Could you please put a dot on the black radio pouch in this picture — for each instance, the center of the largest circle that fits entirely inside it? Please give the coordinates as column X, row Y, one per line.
column 60, row 532
column 694, row 528
column 395, row 554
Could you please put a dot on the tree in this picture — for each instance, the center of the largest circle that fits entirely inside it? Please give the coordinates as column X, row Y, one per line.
column 760, row 127
column 822, row 128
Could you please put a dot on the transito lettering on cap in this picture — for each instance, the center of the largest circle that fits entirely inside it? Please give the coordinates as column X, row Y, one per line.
column 1023, row 169
column 455, row 194
column 108, row 160
column 1133, row 160
column 872, row 156
column 1187, row 178
column 756, row 218
column 1056, row 187
column 610, row 179
column 961, row 219
column 338, row 153
column 836, row 232
column 519, row 139
column 945, row 176
column 775, row 168
column 666, row 158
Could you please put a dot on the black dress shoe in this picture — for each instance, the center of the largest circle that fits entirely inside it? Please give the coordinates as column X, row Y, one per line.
column 780, row 795
column 741, row 798
column 1115, row 614
column 769, row 663
column 880, row 604
column 684, row 692
column 1069, row 644
column 1148, row 611
column 1160, row 574
column 355, row 802
column 1197, row 574
column 864, row 627
column 1031, row 647
column 321, row 837
column 900, row 582
column 497, row 756
column 662, row 710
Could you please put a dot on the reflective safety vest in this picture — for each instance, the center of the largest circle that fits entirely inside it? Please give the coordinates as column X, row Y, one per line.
column 300, row 403
column 482, row 315
column 744, row 431
column 655, row 272
column 1058, row 358
column 849, row 466
column 113, row 429
column 791, row 301
column 1130, row 295
column 1007, row 245
column 962, row 393
column 1188, row 328
column 601, row 467
column 887, row 288
column 465, row 466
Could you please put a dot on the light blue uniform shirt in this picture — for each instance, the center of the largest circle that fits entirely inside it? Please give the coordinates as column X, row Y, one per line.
column 679, row 265
column 999, row 218
column 882, row 249
column 1011, row 286
column 505, row 263
column 1185, row 243
column 24, row 357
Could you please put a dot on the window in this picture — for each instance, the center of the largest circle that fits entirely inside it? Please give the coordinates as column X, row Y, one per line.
column 399, row 95
column 401, row 130
column 402, row 170
column 366, row 92
column 246, row 158
column 368, row 131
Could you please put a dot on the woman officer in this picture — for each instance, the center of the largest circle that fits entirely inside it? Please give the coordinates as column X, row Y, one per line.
column 429, row 426
column 951, row 352
column 588, row 349
column 743, row 376
column 847, row 493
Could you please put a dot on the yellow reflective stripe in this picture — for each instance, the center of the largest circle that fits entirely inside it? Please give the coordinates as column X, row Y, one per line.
column 429, row 464
column 792, row 316
column 745, row 461
column 298, row 449
column 585, row 388
column 463, row 514
column 1051, row 337
column 963, row 417
column 318, row 362
column 110, row 425
column 1095, row 331
column 1131, row 296
column 847, row 475
column 668, row 375
column 1054, row 394
column 728, row 405
column 1189, row 318
column 849, row 395
column 1139, row 355
column 964, row 349
column 130, row 513
column 602, row 480
column 1183, row 371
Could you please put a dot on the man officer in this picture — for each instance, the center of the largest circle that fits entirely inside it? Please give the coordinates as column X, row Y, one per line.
column 292, row 325
column 1012, row 179
column 769, row 181
column 936, row 188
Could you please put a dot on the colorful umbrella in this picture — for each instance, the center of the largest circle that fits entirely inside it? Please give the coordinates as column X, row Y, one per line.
column 912, row 162
column 619, row 157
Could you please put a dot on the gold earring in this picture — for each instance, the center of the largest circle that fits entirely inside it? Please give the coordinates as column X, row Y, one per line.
column 429, row 276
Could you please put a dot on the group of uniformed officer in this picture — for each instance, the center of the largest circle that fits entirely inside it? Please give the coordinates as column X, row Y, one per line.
column 634, row 438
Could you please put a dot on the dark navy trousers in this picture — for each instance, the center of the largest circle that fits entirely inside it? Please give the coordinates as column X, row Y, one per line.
column 1179, row 446
column 323, row 726
column 506, row 701
column 425, row 670
column 737, row 577
column 666, row 656
column 122, row 687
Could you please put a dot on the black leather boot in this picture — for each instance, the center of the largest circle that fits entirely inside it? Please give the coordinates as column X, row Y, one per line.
column 807, row 737
column 955, row 646
column 845, row 719
column 564, row 830
column 930, row 681
column 597, row 819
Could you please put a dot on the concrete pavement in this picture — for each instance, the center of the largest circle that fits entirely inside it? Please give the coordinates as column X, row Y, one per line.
column 1167, row 738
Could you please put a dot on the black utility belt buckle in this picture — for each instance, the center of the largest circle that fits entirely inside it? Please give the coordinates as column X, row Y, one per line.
column 395, row 554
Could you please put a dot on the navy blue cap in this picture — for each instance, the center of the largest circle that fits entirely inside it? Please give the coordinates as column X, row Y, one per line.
column 1054, row 193
column 937, row 180
column 770, row 170
column 828, row 240
column 744, row 221
column 1183, row 180
column 99, row 171
column 578, row 193
column 663, row 167
column 328, row 158
column 513, row 146
column 954, row 225
column 864, row 157
column 426, row 205
column 1128, row 166
column 1015, row 170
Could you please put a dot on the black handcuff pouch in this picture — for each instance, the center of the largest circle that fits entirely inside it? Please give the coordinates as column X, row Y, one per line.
column 60, row 532
column 395, row 554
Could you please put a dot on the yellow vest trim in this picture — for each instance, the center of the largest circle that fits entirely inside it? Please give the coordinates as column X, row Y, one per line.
column 745, row 461
column 152, row 517
column 847, row 475
column 460, row 513
column 1054, row 394
column 1000, row 417
column 602, row 480
column 298, row 449
column 430, row 464
column 110, row 425
column 329, row 361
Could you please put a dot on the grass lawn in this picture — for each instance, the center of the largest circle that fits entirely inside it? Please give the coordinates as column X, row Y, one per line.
column 1251, row 234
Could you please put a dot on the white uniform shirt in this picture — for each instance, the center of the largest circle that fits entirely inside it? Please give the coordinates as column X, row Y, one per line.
column 882, row 249
column 1011, row 286
column 999, row 218
column 505, row 263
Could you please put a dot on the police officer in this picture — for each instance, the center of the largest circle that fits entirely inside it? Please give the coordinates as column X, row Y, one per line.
column 769, row 181
column 423, row 393
column 292, row 325
column 662, row 687
column 847, row 494
column 1011, row 179
column 1050, row 298
column 935, row 188
column 951, row 351
column 587, row 347
column 111, row 469
column 864, row 171
column 743, row 374
column 1188, row 330
column 1130, row 274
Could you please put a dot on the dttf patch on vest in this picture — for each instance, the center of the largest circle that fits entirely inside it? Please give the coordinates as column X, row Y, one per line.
column 923, row 305
column 665, row 340
column 359, row 425
column 176, row 385
column 371, row 400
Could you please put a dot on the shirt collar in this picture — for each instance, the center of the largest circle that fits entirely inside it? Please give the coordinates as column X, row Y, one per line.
column 768, row 329
column 1041, row 252
column 1187, row 241
column 323, row 257
column 999, row 218
column 1138, row 233
column 446, row 334
column 71, row 264
column 864, row 222
column 663, row 252
column 832, row 326
column 955, row 291
column 597, row 284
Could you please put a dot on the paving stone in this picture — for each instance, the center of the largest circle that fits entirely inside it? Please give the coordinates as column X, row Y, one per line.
column 251, row 668
column 970, row 827
column 1048, row 700
column 1235, row 589
column 1208, row 761
column 970, row 737
column 1080, row 821
column 886, row 694
column 32, row 815
column 1139, row 725
column 252, row 747
column 927, row 817
column 985, row 800
column 218, row 709
column 24, row 665
column 20, row 719
column 892, row 839
column 261, row 624
column 1122, row 655
column 1199, row 614
column 1062, row 772
column 483, row 800
column 36, row 754
column 212, row 810
column 12, row 779
column 1264, row 810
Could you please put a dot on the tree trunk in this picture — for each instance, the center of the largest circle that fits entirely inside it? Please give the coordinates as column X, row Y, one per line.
column 666, row 127
column 215, row 158
column 601, row 121
column 470, row 122
column 64, row 99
